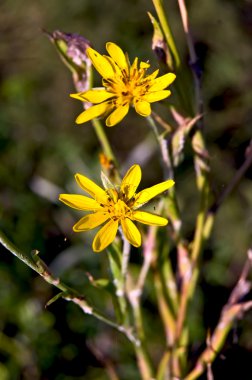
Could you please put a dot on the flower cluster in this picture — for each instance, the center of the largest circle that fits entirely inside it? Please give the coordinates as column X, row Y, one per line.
column 124, row 85
column 115, row 207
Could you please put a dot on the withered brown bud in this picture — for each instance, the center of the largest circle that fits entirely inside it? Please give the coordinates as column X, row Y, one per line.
column 72, row 50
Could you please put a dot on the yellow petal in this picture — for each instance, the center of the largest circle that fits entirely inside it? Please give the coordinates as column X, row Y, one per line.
column 147, row 194
column 105, row 236
column 101, row 64
column 131, row 232
column 117, row 115
column 144, row 65
column 133, row 67
column 118, row 56
column 148, row 218
column 93, row 112
column 116, row 68
column 78, row 95
column 79, row 202
column 162, row 82
column 91, row 188
column 156, row 96
column 113, row 194
column 91, row 221
column 151, row 76
column 142, row 107
column 96, row 96
column 131, row 181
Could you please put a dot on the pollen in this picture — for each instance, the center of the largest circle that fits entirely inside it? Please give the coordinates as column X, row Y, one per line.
column 119, row 210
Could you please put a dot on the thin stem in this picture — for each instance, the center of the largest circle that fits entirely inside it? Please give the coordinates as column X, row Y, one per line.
column 232, row 310
column 68, row 293
column 168, row 172
column 193, row 58
column 200, row 222
column 189, row 282
column 105, row 361
column 184, row 17
column 235, row 180
column 115, row 261
column 19, row 254
column 171, row 200
column 102, row 137
column 98, row 127
column 174, row 61
column 125, row 259
column 165, row 311
column 163, row 372
column 158, row 4
column 148, row 257
column 144, row 361
column 213, row 209
column 185, row 273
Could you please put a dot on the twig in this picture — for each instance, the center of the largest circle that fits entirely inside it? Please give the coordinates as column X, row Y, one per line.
column 232, row 310
column 145, row 364
column 197, row 74
column 235, row 180
column 125, row 260
column 243, row 286
column 68, row 293
column 168, row 171
column 213, row 209
column 148, row 257
column 105, row 361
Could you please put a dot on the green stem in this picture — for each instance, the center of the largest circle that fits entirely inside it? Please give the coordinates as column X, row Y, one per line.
column 125, row 260
column 227, row 191
column 144, row 364
column 174, row 62
column 197, row 245
column 231, row 311
column 171, row 200
column 115, row 262
column 158, row 4
column 168, row 171
column 101, row 135
column 144, row 361
column 165, row 310
column 98, row 127
column 193, row 58
column 200, row 223
column 68, row 293
column 168, row 281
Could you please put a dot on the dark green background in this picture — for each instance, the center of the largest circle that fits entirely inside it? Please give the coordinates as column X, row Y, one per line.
column 41, row 148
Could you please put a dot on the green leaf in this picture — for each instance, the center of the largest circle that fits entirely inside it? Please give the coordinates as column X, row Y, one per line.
column 55, row 298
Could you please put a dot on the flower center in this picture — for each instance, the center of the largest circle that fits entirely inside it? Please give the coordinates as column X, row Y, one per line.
column 126, row 87
column 118, row 210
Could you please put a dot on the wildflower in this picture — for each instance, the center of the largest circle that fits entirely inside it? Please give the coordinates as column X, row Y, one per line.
column 124, row 85
column 115, row 207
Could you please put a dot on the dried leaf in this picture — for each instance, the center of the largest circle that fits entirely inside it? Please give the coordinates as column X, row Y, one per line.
column 179, row 137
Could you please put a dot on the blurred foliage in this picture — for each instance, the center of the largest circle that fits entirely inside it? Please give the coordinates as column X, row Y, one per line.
column 41, row 149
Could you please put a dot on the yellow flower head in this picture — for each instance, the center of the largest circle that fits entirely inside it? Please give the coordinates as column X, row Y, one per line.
column 124, row 85
column 115, row 207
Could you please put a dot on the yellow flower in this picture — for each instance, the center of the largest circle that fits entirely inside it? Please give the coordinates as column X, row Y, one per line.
column 115, row 207
column 124, row 85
